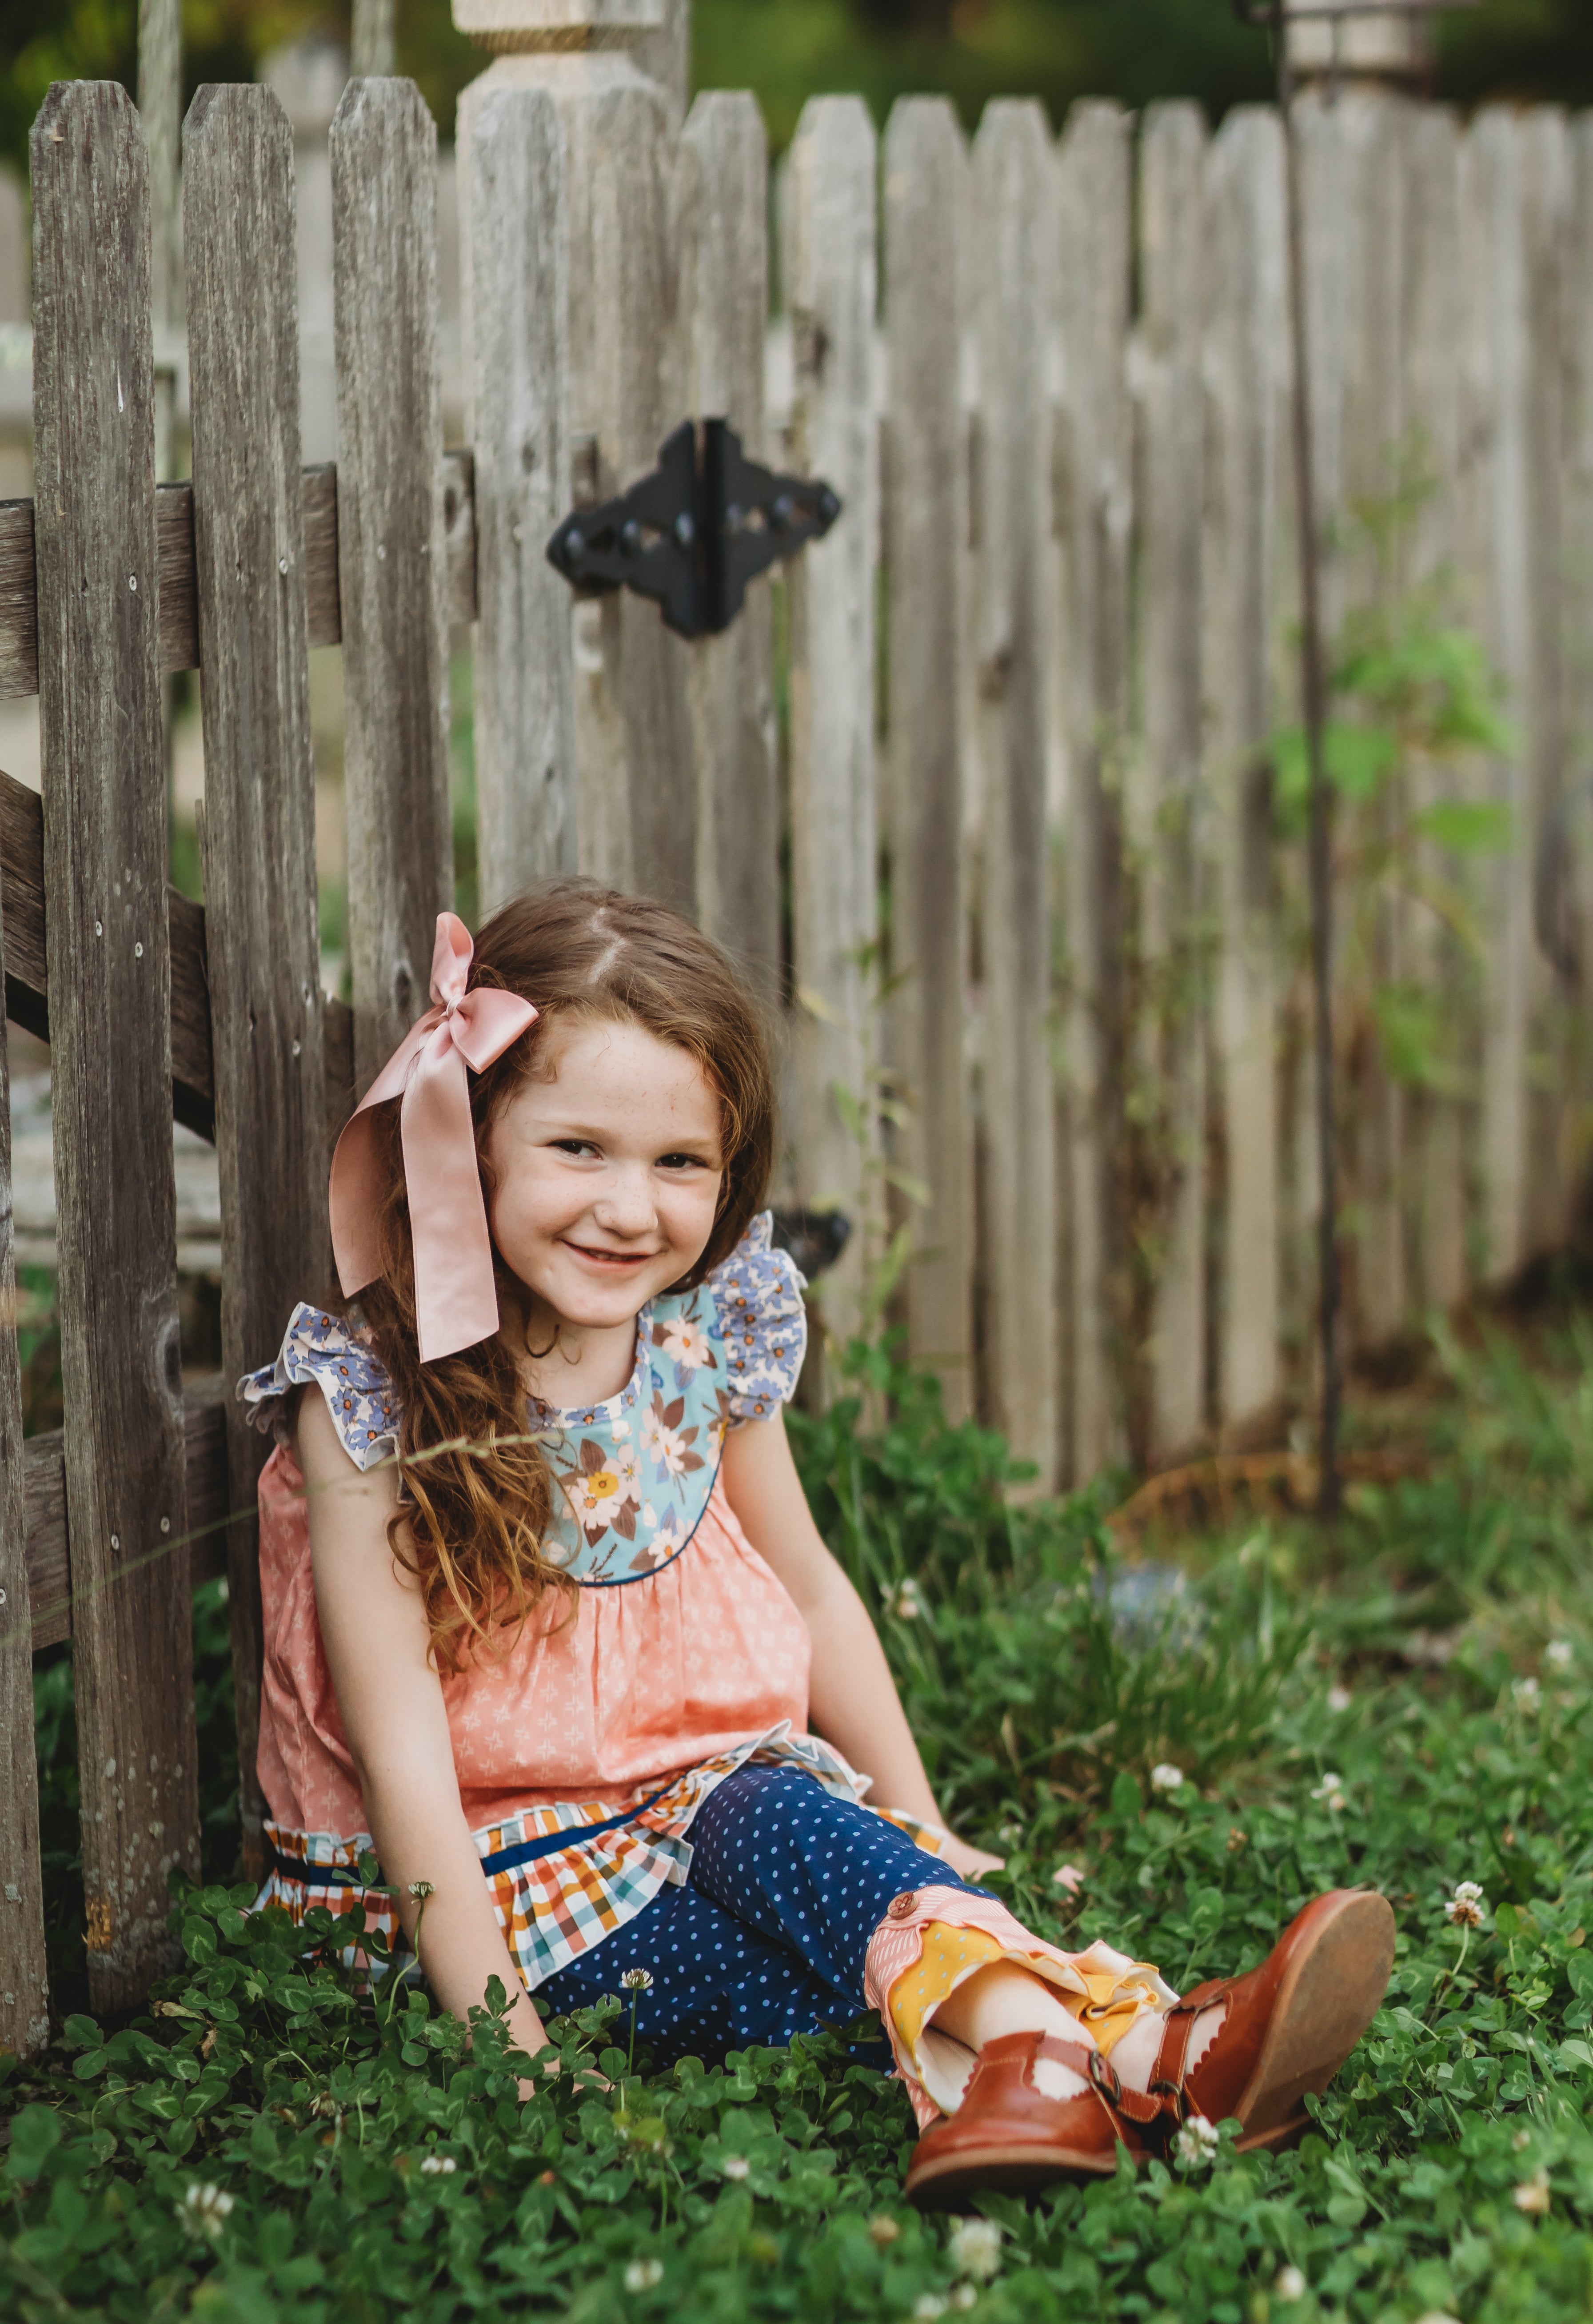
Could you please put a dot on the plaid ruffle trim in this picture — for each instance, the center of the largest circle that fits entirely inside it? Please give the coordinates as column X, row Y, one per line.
column 561, row 1877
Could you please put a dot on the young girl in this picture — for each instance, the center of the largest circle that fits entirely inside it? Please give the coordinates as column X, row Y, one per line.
column 548, row 1625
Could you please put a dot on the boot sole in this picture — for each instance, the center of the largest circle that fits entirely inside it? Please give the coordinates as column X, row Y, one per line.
column 1020, row 2169
column 1329, row 1994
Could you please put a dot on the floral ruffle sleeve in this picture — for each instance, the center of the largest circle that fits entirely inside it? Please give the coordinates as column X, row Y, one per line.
column 763, row 1324
column 338, row 1358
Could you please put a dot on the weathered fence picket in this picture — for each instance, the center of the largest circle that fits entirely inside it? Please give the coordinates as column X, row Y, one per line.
column 262, row 951
column 1022, row 893
column 1095, row 520
column 515, row 275
column 722, row 254
column 390, row 556
column 827, row 268
column 1245, row 370
column 926, row 522
column 1012, row 262
column 105, row 866
column 1166, row 1226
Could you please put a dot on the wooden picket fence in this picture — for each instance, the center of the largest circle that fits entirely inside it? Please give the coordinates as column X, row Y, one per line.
column 1030, row 677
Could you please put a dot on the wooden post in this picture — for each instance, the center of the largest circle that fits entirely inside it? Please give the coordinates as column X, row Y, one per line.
column 722, row 237
column 637, row 790
column 25, row 2010
column 390, row 556
column 262, row 947
column 105, row 855
column 1095, row 275
column 1246, row 374
column 514, row 266
column 1012, row 294
column 829, row 272
column 927, row 203
column 1171, row 1038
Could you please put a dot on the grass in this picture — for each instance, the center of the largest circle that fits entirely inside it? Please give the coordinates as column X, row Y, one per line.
column 1403, row 1700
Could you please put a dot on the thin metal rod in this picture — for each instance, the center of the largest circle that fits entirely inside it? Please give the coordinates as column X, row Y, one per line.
column 1313, row 687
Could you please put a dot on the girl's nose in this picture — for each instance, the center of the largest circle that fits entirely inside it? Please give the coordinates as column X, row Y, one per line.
column 625, row 1206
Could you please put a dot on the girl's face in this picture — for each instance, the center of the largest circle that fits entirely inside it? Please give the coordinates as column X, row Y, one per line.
column 608, row 1173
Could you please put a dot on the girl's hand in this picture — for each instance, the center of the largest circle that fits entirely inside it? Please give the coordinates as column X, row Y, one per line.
column 971, row 1862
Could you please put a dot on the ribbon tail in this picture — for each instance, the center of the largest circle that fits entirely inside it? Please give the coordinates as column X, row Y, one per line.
column 456, row 1296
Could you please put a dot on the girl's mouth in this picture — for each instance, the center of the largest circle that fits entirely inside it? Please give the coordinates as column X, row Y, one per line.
column 614, row 1261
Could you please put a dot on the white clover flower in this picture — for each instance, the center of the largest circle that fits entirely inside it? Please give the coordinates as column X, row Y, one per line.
column 963, row 2296
column 1559, row 1653
column 1197, row 2144
column 643, row 2273
column 1527, row 1692
column 420, row 1889
column 927, row 2307
column 1166, row 1777
column 1532, row 2195
column 1010, row 1834
column 438, row 2166
column 906, row 1601
column 1289, row 2284
column 882, row 2230
column 1466, row 1907
column 1438, row 2316
column 974, row 2249
column 637, row 1980
column 1330, row 1790
column 736, row 2166
column 1338, row 1699
column 203, row 2210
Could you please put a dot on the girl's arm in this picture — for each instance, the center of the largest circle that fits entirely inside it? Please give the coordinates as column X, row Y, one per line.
column 854, row 1698
column 374, row 1624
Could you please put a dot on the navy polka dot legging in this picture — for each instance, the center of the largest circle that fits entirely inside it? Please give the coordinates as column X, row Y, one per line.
column 767, row 1937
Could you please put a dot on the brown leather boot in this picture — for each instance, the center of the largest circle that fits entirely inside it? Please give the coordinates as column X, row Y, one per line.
column 1008, row 2134
column 1289, row 2025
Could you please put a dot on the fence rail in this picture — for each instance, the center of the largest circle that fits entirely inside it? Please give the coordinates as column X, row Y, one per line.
column 982, row 791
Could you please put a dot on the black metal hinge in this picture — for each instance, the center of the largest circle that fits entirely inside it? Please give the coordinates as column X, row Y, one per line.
column 694, row 532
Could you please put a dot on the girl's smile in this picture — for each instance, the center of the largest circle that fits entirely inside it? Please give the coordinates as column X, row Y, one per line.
column 606, row 1173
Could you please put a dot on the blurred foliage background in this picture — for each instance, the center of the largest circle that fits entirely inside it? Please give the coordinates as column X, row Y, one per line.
column 791, row 50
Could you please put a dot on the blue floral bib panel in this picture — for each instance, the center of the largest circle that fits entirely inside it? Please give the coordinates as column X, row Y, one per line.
column 635, row 1472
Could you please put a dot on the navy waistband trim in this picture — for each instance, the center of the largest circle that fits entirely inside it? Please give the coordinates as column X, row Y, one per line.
column 502, row 1859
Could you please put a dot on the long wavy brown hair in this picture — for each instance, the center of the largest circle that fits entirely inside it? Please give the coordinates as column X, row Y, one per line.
column 477, row 1498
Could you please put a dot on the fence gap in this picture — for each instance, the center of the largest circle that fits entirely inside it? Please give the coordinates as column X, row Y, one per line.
column 105, row 858
column 262, row 949
column 25, row 2005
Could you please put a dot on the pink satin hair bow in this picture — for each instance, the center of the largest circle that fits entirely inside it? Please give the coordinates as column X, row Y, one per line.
column 455, row 1298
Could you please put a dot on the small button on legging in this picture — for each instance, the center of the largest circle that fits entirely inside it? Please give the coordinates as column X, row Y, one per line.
column 768, row 1938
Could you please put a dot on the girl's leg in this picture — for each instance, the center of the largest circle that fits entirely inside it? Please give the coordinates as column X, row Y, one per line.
column 717, row 1985
column 893, row 1928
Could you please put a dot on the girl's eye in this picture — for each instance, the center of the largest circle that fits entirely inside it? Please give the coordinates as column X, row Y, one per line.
column 573, row 1146
column 681, row 1162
